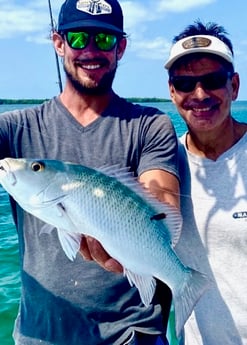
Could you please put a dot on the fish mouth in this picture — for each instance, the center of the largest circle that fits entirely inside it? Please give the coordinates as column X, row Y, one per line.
column 6, row 172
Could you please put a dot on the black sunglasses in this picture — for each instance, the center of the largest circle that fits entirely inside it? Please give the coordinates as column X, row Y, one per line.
column 210, row 81
column 79, row 40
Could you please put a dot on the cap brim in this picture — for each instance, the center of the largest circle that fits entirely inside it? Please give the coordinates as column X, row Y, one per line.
column 91, row 24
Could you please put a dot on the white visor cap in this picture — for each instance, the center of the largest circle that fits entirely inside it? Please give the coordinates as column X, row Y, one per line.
column 199, row 44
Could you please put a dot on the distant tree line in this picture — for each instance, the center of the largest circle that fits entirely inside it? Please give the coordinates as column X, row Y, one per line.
column 147, row 100
column 21, row 101
column 39, row 101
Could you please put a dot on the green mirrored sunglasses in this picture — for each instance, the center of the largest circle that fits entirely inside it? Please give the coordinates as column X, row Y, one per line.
column 79, row 40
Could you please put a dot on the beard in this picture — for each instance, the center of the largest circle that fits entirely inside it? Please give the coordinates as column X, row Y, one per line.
column 103, row 87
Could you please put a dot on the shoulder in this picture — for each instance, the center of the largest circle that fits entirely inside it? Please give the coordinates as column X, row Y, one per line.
column 135, row 109
column 28, row 110
column 182, row 155
column 148, row 119
column 241, row 129
column 22, row 119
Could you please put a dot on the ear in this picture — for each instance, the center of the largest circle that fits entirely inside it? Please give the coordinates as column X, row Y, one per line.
column 235, row 86
column 58, row 43
column 172, row 92
column 121, row 48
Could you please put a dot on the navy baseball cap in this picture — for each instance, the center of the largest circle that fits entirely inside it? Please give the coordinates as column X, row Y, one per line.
column 81, row 14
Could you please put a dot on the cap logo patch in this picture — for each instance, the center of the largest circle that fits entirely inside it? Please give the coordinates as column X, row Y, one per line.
column 196, row 42
column 94, row 7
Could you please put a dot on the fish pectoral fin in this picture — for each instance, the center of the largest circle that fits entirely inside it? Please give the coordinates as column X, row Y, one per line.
column 64, row 216
column 46, row 229
column 146, row 285
column 70, row 243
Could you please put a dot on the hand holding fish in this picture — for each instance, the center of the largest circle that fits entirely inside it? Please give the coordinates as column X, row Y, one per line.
column 91, row 249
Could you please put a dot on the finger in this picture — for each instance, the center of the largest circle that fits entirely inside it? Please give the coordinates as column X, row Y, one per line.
column 99, row 254
column 84, row 250
column 113, row 266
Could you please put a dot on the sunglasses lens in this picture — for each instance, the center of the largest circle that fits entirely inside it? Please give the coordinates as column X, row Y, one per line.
column 183, row 83
column 105, row 42
column 77, row 40
column 215, row 81
column 211, row 81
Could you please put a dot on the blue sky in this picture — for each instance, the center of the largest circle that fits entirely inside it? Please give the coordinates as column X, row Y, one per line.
column 27, row 59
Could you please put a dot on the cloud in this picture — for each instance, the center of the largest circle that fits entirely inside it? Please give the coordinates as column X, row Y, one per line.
column 38, row 39
column 32, row 16
column 28, row 18
column 31, row 20
column 181, row 5
column 155, row 49
column 137, row 18
column 136, row 12
column 15, row 21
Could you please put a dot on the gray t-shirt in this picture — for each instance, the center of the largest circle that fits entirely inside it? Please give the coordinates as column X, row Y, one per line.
column 64, row 302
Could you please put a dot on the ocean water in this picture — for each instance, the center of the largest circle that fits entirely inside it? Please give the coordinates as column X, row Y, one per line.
column 9, row 263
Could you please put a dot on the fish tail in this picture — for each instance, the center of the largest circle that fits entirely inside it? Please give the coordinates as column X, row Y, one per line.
column 186, row 297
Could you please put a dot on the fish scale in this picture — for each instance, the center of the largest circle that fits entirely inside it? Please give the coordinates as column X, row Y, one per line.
column 127, row 200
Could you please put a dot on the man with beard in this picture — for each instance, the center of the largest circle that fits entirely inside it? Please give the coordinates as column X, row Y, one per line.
column 81, row 302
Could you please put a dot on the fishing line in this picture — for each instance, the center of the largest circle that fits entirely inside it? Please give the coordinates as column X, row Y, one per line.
column 56, row 56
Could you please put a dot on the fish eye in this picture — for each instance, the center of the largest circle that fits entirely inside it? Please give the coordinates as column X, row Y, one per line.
column 37, row 166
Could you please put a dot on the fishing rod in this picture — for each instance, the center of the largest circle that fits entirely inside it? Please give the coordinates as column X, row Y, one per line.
column 56, row 56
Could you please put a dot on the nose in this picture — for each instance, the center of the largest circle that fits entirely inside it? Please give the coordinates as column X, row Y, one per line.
column 89, row 49
column 91, row 45
column 200, row 92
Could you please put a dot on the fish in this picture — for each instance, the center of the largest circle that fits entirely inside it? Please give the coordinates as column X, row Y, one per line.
column 111, row 205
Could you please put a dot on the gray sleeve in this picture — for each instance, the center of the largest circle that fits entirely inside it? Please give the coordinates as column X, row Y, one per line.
column 4, row 136
column 159, row 147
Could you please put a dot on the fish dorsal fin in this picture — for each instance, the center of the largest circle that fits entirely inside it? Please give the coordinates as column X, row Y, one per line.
column 146, row 285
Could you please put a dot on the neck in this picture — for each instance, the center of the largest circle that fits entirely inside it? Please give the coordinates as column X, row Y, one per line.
column 85, row 108
column 213, row 144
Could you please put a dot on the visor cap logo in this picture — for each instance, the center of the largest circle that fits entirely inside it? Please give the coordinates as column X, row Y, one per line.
column 196, row 42
column 94, row 7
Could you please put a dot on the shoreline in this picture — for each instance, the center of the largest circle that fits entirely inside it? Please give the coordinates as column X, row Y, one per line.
column 39, row 101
